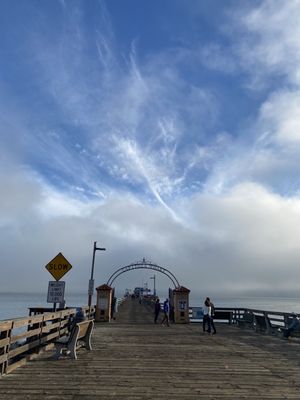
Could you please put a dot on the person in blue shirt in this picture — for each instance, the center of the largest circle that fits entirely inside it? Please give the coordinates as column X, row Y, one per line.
column 165, row 320
column 78, row 317
column 294, row 325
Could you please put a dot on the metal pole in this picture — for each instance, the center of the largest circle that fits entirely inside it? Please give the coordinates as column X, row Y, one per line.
column 154, row 290
column 91, row 282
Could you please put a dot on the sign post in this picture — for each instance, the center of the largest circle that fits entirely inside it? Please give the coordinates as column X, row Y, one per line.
column 57, row 267
column 91, row 281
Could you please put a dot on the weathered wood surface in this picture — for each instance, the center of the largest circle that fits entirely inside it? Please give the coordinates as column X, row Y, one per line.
column 133, row 358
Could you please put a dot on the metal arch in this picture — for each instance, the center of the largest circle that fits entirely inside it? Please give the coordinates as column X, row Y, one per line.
column 143, row 265
column 140, row 267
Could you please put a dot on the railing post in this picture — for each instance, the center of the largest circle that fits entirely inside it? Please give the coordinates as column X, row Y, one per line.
column 5, row 334
column 7, row 347
column 268, row 324
column 41, row 330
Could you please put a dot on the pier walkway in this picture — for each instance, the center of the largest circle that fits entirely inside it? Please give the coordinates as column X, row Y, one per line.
column 132, row 358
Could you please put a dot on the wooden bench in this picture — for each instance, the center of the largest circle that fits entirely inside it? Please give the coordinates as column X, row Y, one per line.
column 80, row 336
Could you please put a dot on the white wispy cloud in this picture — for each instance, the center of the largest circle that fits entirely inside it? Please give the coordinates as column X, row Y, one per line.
column 280, row 116
column 145, row 169
column 216, row 57
column 270, row 41
column 116, row 103
column 266, row 45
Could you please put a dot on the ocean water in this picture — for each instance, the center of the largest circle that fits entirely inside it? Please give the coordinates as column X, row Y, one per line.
column 14, row 305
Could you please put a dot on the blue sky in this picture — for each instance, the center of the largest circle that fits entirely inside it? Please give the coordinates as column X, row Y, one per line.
column 168, row 130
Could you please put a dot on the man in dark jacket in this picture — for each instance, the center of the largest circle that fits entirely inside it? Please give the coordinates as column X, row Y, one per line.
column 156, row 310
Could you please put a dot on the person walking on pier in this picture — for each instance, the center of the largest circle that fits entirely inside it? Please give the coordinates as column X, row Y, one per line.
column 206, row 316
column 165, row 320
column 156, row 310
column 212, row 314
column 294, row 325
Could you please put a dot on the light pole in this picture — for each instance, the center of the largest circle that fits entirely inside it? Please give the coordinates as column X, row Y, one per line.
column 91, row 281
column 154, row 290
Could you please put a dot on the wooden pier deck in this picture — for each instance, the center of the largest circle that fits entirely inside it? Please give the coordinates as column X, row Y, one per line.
column 132, row 359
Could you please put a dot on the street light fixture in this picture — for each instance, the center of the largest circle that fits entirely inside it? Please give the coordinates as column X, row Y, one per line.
column 154, row 290
column 91, row 281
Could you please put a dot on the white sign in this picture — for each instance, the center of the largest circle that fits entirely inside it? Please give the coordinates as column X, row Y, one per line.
column 91, row 287
column 103, row 303
column 56, row 292
column 182, row 305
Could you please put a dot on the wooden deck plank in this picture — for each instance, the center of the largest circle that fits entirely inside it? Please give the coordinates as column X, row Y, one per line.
column 141, row 360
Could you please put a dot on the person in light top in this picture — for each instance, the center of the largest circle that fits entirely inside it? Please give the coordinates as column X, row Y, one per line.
column 206, row 316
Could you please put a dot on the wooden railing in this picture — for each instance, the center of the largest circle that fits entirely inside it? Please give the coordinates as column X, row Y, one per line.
column 275, row 320
column 23, row 339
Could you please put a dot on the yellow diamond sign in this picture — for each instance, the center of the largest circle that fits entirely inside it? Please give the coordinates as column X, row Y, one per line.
column 58, row 267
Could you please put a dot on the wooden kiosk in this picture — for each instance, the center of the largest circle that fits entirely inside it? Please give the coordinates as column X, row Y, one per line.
column 181, row 305
column 103, row 305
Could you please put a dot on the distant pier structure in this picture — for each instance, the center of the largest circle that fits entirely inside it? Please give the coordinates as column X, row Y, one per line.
column 178, row 296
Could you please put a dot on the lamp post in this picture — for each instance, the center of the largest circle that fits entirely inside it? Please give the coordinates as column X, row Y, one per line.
column 154, row 290
column 91, row 281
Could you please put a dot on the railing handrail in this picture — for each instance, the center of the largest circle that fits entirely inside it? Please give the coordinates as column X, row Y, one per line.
column 255, row 310
column 25, row 337
column 276, row 319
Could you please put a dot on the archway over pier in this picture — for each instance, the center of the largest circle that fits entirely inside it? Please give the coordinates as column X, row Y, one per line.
column 178, row 297
column 144, row 264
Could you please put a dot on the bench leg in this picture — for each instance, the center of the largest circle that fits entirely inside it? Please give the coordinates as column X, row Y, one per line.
column 73, row 353
column 87, row 343
column 58, row 351
column 87, row 339
column 72, row 349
